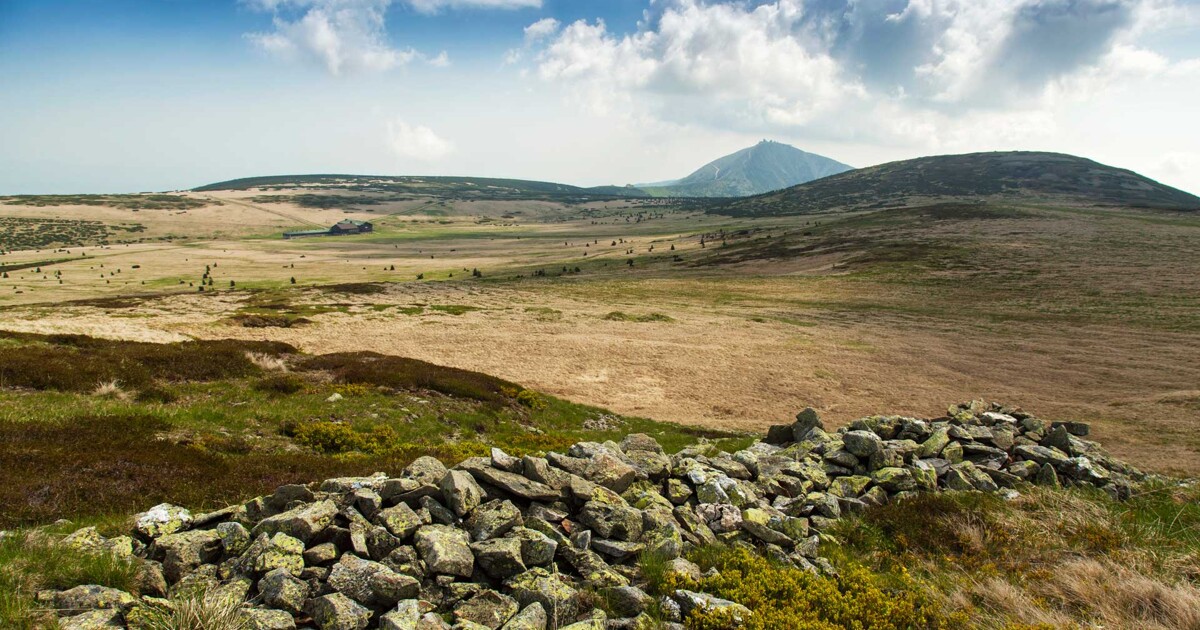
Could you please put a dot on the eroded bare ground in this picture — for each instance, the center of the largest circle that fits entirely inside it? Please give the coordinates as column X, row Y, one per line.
column 730, row 364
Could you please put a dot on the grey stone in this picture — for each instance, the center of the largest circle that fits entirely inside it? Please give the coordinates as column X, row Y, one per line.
column 461, row 493
column 338, row 612
column 445, row 550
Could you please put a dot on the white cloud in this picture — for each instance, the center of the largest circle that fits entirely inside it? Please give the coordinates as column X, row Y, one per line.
column 344, row 36
column 933, row 73
column 541, row 29
column 348, row 36
column 434, row 6
column 416, row 142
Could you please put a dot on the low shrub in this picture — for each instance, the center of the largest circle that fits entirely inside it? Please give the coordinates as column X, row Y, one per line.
column 280, row 384
column 531, row 399
column 330, row 437
column 786, row 597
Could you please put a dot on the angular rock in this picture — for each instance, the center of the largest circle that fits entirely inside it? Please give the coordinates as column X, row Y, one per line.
column 280, row 589
column 501, row 558
column 510, row 482
column 81, row 599
column 405, row 616
column 338, row 612
column 301, row 523
column 488, row 609
column 162, row 519
column 445, row 550
column 532, row 617
column 492, row 519
column 460, row 491
column 558, row 599
column 690, row 601
column 268, row 619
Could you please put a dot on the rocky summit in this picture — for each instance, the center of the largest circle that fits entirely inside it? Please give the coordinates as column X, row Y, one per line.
column 534, row 543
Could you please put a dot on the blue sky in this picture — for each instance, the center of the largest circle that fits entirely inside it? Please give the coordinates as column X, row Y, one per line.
column 116, row 95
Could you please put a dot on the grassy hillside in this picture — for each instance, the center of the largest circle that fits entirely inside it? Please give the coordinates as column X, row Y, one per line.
column 453, row 187
column 1012, row 176
column 210, row 422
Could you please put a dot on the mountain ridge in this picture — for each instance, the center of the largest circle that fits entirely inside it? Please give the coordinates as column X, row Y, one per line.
column 1005, row 175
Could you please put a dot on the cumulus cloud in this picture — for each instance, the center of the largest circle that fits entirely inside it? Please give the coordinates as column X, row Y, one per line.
column 416, row 142
column 541, row 29
column 347, row 36
column 342, row 35
column 893, row 70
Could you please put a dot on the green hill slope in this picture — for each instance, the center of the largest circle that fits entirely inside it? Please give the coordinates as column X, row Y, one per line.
column 472, row 187
column 1017, row 175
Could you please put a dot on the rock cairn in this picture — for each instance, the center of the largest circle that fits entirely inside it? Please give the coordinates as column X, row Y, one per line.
column 536, row 542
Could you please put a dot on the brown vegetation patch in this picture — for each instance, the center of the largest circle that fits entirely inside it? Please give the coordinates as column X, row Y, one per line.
column 67, row 469
column 370, row 368
column 79, row 363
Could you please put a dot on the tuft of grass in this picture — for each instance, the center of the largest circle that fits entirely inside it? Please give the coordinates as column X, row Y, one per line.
column 31, row 561
column 195, row 610
column 110, row 389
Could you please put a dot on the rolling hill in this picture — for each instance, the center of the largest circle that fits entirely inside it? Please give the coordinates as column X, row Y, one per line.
column 1015, row 175
column 466, row 187
column 761, row 168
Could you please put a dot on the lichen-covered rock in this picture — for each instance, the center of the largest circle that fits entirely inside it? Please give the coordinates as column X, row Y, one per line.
column 280, row 589
column 492, row 519
column 445, row 550
column 400, row 520
column 690, row 601
column 92, row 620
column 558, row 598
column 268, row 619
column 338, row 612
column 405, row 616
column 160, row 520
column 862, row 443
column 537, row 549
column 301, row 523
column 611, row 520
column 501, row 558
column 531, row 617
column 184, row 551
column 266, row 554
column 489, row 609
column 461, row 492
column 87, row 597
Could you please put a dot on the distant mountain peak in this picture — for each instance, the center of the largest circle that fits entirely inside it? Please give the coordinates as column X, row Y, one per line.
column 766, row 166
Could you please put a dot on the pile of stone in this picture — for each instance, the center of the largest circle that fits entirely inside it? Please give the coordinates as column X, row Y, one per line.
column 541, row 542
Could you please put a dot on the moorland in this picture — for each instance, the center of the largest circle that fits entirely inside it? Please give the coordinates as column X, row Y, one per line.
column 531, row 316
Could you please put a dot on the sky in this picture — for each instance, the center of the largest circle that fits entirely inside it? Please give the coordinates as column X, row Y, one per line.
column 126, row 96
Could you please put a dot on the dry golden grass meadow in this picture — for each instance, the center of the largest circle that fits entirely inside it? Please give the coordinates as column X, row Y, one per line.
column 1076, row 313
